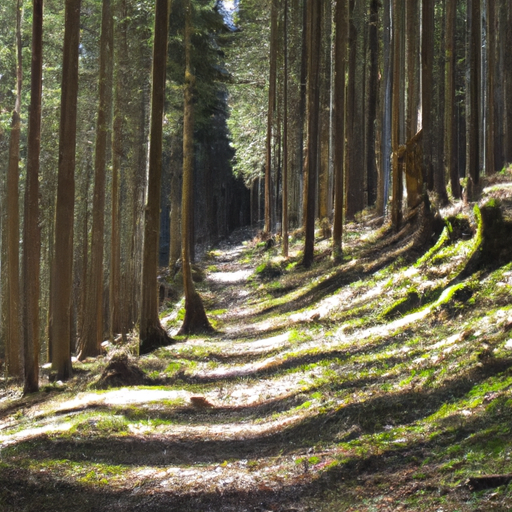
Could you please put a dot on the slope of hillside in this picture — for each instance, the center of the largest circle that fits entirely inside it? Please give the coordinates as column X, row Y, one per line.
column 381, row 384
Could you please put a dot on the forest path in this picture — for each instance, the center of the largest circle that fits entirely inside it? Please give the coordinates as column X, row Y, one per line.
column 379, row 384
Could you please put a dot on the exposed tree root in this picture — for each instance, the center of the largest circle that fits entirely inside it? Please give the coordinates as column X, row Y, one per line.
column 196, row 321
column 157, row 337
column 121, row 371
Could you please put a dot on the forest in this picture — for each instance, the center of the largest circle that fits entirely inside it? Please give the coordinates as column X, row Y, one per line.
column 255, row 255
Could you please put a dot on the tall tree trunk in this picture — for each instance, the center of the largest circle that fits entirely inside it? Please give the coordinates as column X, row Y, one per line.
column 473, row 114
column 270, row 116
column 490, row 164
column 354, row 157
column 90, row 345
column 120, row 56
column 14, row 341
column 340, row 59
column 301, row 120
column 427, row 87
column 507, row 45
column 439, row 128
column 450, row 148
column 152, row 335
column 386, row 117
column 285, row 133
column 311, row 161
column 31, row 230
column 396, row 217
column 62, row 262
column 195, row 316
column 373, row 46
column 413, row 176
column 324, row 214
column 175, row 200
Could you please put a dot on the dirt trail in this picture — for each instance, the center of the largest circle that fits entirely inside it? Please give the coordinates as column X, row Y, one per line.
column 360, row 401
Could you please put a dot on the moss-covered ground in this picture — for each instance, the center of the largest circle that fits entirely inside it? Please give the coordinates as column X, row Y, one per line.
column 382, row 383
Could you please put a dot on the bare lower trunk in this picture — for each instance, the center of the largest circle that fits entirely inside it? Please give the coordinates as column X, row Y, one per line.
column 151, row 332
column 32, row 232
column 340, row 56
column 195, row 316
column 62, row 261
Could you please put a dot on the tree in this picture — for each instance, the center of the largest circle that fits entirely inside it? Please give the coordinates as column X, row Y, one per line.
column 473, row 119
column 31, row 230
column 285, row 133
column 151, row 333
column 340, row 57
column 383, row 189
column 311, row 160
column 324, row 167
column 270, row 116
column 93, row 328
column 507, row 72
column 62, row 262
column 414, row 176
column 396, row 214
column 118, row 39
column 195, row 316
column 490, row 164
column 373, row 47
column 14, row 346
column 354, row 151
column 427, row 88
column 450, row 149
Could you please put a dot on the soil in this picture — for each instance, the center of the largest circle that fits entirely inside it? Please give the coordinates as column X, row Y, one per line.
column 352, row 387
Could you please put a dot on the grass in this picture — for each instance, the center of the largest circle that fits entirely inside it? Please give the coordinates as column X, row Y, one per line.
column 360, row 390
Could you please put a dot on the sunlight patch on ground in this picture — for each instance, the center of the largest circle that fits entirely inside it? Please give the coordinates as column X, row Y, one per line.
column 236, row 476
column 261, row 391
column 30, row 433
column 242, row 371
column 239, row 276
column 246, row 347
column 223, row 431
column 124, row 396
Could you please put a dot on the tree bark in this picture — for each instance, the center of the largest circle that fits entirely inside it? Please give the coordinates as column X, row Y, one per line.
column 270, row 116
column 473, row 115
column 195, row 320
column 31, row 230
column 450, row 149
column 490, row 164
column 396, row 217
column 90, row 345
column 340, row 59
column 285, row 133
column 175, row 200
column 311, row 161
column 438, row 118
column 427, row 63
column 324, row 212
column 354, row 154
column 152, row 335
column 373, row 46
column 118, row 133
column 413, row 174
column 62, row 262
column 507, row 45
column 386, row 114
column 14, row 354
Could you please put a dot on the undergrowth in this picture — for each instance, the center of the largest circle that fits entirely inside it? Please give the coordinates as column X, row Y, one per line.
column 339, row 387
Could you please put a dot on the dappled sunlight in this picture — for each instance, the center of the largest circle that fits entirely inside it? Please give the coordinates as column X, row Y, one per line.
column 238, row 276
column 53, row 426
column 312, row 376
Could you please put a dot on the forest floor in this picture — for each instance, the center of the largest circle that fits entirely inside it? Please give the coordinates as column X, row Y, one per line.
column 383, row 383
